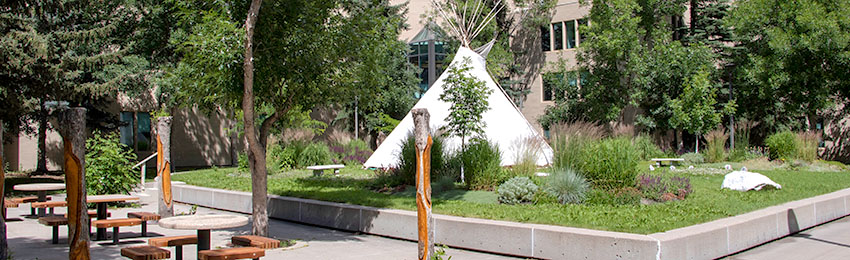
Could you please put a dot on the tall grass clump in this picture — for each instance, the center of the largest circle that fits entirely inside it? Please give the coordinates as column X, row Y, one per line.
column 526, row 152
column 569, row 141
column 807, row 146
column 742, row 141
column 405, row 171
column 716, row 145
column 782, row 145
column 481, row 165
column 611, row 163
column 646, row 148
column 567, row 185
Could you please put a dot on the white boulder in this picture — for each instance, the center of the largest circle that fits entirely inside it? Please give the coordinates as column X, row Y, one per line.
column 744, row 181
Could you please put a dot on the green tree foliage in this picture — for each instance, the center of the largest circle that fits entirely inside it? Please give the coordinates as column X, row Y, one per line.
column 695, row 109
column 795, row 57
column 109, row 165
column 468, row 98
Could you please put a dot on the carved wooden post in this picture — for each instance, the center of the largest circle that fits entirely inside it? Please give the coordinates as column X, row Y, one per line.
column 72, row 124
column 425, row 220
column 163, row 165
column 3, row 245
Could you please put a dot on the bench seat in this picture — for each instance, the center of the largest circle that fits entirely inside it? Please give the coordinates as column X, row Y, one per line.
column 145, row 217
column 145, row 253
column 115, row 224
column 256, row 241
column 93, row 214
column 176, row 241
column 319, row 169
column 232, row 253
column 28, row 199
column 55, row 222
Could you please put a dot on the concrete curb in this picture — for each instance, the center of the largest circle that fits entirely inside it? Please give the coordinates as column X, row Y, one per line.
column 703, row 241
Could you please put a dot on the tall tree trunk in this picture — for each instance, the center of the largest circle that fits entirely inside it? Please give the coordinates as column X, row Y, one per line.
column 73, row 130
column 3, row 245
column 256, row 150
column 680, row 144
column 41, row 165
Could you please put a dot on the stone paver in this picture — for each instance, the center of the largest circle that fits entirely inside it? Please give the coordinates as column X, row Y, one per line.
column 30, row 240
column 824, row 242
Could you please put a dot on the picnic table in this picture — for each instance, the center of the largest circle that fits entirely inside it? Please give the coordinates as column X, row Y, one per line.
column 41, row 189
column 319, row 169
column 101, row 201
column 661, row 161
column 203, row 224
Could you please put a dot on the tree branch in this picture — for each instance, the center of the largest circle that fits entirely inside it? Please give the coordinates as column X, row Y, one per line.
column 267, row 124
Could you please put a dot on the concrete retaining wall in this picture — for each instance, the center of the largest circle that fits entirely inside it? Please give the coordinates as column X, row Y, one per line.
column 704, row 241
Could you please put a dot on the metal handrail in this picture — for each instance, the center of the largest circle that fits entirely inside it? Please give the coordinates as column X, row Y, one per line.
column 144, row 169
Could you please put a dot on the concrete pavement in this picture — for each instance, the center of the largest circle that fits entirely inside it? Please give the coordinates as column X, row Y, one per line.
column 30, row 240
column 824, row 242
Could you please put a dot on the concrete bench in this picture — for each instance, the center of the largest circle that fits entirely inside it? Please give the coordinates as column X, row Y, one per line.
column 232, row 253
column 55, row 222
column 145, row 217
column 256, row 241
column 115, row 224
column 176, row 241
column 661, row 161
column 319, row 169
column 145, row 253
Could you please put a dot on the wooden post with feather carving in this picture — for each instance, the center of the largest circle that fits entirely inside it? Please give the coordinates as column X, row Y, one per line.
column 72, row 124
column 163, row 165
column 4, row 252
column 425, row 220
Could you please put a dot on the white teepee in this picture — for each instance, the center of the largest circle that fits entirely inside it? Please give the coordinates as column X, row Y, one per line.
column 505, row 124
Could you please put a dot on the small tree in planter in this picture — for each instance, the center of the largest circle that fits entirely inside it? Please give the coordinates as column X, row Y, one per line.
column 468, row 96
column 694, row 110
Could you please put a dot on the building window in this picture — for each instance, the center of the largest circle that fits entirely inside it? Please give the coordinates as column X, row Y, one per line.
column 136, row 130
column 428, row 53
column 558, row 86
column 562, row 35
column 582, row 24
column 544, row 38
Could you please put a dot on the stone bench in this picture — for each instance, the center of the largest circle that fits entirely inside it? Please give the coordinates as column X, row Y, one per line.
column 55, row 222
column 661, row 161
column 145, row 217
column 115, row 224
column 176, row 241
column 319, row 169
column 145, row 253
column 232, row 253
column 255, row 241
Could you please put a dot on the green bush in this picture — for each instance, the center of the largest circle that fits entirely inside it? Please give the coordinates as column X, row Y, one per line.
column 481, row 165
column 517, row 190
column 782, row 145
column 693, row 158
column 405, row 172
column 109, row 165
column 314, row 154
column 567, row 185
column 646, row 148
column 243, row 163
column 611, row 163
column 279, row 158
column 716, row 145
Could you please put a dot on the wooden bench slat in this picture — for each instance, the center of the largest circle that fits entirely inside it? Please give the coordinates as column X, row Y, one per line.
column 53, row 221
column 256, row 241
column 174, row 240
column 27, row 199
column 118, row 222
column 145, row 216
column 49, row 204
column 93, row 214
column 232, row 253
column 145, row 253
column 10, row 204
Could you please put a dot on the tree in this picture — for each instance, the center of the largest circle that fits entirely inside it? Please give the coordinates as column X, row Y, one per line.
column 468, row 98
column 794, row 58
column 695, row 109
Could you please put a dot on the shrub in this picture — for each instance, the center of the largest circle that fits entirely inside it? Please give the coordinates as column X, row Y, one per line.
column 807, row 146
column 243, row 163
column 567, row 185
column 405, row 171
column 280, row 158
column 782, row 145
column 693, row 158
column 646, row 148
column 569, row 141
column 517, row 190
column 660, row 189
column 716, row 145
column 611, row 163
column 314, row 154
column 355, row 151
column 109, row 165
column 481, row 164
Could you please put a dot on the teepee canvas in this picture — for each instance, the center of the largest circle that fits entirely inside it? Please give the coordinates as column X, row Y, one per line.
column 505, row 124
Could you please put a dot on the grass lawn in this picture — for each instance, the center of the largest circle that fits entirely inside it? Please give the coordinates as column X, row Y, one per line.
column 707, row 202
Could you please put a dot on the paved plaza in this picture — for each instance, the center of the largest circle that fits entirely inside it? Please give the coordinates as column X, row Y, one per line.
column 30, row 240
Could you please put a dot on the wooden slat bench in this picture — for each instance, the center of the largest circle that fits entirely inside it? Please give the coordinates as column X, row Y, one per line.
column 145, row 253
column 47, row 205
column 55, row 222
column 232, row 253
column 93, row 214
column 8, row 204
column 115, row 224
column 29, row 199
column 319, row 169
column 176, row 241
column 256, row 241
column 661, row 161
column 145, row 217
